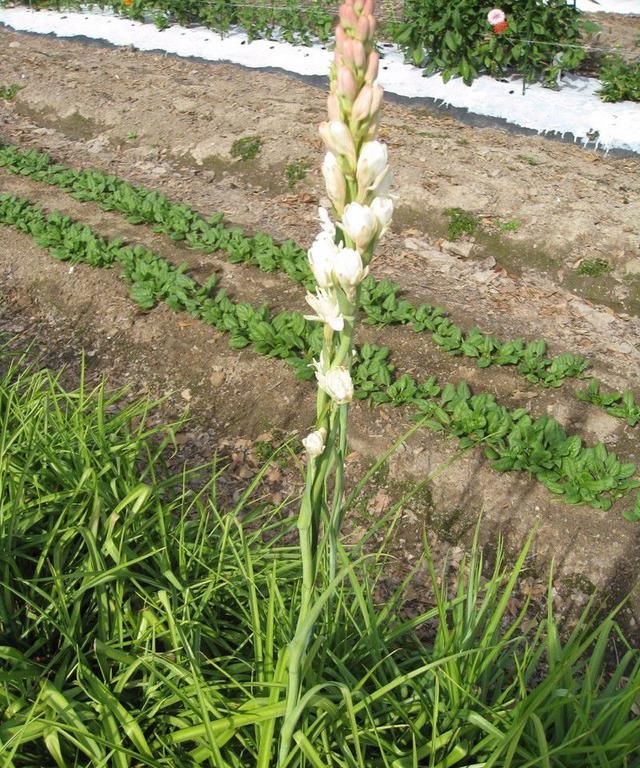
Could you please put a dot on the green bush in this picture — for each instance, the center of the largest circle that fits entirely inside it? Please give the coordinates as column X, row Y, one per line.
column 620, row 79
column 457, row 40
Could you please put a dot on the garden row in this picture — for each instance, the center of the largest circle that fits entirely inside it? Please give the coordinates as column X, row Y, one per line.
column 512, row 440
column 380, row 299
column 541, row 40
column 142, row 624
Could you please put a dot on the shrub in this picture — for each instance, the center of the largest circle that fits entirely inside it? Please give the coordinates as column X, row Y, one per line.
column 456, row 39
column 620, row 79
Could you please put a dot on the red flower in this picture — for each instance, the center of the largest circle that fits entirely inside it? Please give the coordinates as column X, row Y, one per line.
column 500, row 27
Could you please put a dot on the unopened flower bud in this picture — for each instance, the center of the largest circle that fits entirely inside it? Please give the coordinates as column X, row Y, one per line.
column 358, row 54
column 322, row 258
column 362, row 105
column 376, row 100
column 333, row 107
column 346, row 84
column 314, row 442
column 334, row 181
column 336, row 382
column 382, row 208
column 349, row 270
column 372, row 67
column 348, row 18
column 338, row 139
column 372, row 163
column 360, row 224
column 364, row 28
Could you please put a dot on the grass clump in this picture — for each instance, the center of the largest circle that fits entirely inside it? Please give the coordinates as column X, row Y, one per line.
column 461, row 223
column 296, row 172
column 145, row 623
column 594, row 267
column 9, row 92
column 246, row 148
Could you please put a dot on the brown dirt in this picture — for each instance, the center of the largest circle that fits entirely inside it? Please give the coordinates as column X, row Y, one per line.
column 170, row 125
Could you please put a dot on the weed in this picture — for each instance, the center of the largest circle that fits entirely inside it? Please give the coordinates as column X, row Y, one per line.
column 9, row 92
column 594, row 267
column 512, row 225
column 528, row 159
column 246, row 148
column 132, row 136
column 461, row 223
column 462, row 142
column 296, row 172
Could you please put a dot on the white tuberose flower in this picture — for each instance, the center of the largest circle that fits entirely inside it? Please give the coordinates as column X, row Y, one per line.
column 337, row 138
column 334, row 181
column 322, row 258
column 349, row 270
column 325, row 305
column 336, row 382
column 372, row 163
column 360, row 224
column 314, row 442
column 382, row 207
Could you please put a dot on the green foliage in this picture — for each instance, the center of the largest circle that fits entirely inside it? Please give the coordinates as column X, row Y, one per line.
column 620, row 79
column 379, row 299
column 456, row 39
column 295, row 172
column 246, row 148
column 622, row 405
column 511, row 439
column 512, row 225
column 528, row 159
column 9, row 92
column 142, row 623
column 594, row 267
column 461, row 223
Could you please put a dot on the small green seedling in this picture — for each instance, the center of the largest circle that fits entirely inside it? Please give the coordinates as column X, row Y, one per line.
column 594, row 267
column 246, row 148
column 461, row 223
column 528, row 159
column 9, row 92
column 513, row 225
column 296, row 172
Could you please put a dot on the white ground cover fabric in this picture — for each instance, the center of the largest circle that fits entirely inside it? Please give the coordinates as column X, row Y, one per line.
column 574, row 109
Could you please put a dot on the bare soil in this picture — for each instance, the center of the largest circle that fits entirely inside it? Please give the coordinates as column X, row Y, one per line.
column 170, row 124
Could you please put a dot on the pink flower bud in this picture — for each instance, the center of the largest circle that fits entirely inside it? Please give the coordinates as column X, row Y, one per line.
column 358, row 54
column 341, row 38
column 376, row 101
column 345, row 55
column 346, row 84
column 362, row 105
column 363, row 28
column 333, row 107
column 372, row 67
column 348, row 18
column 338, row 139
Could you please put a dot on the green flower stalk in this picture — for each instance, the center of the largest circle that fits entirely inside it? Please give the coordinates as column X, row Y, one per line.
column 357, row 178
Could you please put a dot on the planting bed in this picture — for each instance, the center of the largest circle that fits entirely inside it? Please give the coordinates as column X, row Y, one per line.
column 553, row 253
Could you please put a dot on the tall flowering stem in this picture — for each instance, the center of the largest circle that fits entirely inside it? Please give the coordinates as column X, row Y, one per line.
column 357, row 178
